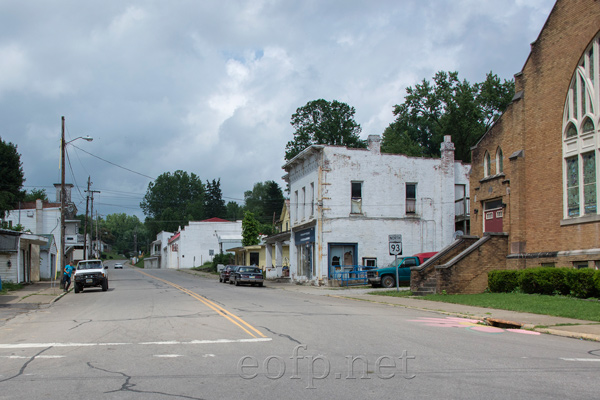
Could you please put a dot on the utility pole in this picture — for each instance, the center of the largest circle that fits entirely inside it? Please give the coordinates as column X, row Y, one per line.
column 92, row 212
column 62, row 202
column 87, row 202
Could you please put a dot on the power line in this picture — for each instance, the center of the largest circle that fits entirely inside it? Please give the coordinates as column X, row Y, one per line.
column 112, row 163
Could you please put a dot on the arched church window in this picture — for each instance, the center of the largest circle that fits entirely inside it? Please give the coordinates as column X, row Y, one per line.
column 581, row 146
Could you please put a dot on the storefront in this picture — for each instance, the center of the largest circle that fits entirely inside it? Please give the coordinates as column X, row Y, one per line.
column 305, row 248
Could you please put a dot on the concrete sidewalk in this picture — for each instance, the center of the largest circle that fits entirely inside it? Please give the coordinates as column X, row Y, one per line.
column 568, row 327
column 43, row 292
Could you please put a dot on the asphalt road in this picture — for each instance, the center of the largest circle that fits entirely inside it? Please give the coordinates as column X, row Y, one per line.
column 160, row 334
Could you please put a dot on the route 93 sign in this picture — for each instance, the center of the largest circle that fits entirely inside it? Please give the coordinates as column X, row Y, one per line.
column 395, row 245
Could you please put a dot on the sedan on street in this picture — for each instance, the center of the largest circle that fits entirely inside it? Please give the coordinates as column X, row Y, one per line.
column 249, row 275
column 224, row 274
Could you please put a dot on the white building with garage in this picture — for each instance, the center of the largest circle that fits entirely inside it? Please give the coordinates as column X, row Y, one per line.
column 345, row 204
column 199, row 241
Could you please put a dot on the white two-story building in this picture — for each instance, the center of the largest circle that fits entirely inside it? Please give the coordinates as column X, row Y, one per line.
column 345, row 204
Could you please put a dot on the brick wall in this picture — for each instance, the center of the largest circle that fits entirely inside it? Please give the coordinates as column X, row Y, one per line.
column 470, row 274
column 532, row 183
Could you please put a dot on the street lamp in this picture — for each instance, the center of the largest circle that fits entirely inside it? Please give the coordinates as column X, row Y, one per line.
column 63, row 146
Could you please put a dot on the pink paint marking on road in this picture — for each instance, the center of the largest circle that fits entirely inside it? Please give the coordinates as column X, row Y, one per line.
column 470, row 324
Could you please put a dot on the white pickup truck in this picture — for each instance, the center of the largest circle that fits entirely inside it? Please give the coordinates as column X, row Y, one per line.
column 91, row 273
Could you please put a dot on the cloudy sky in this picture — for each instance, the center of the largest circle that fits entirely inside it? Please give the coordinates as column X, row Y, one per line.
column 209, row 86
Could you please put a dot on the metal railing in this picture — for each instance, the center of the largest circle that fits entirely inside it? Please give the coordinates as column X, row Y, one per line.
column 350, row 275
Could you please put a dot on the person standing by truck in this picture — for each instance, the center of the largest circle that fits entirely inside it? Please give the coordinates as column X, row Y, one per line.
column 67, row 276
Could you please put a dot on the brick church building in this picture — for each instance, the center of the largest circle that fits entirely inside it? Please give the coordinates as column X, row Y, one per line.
column 535, row 173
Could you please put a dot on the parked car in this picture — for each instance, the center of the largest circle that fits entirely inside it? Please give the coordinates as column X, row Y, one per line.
column 118, row 266
column 91, row 273
column 386, row 276
column 249, row 275
column 224, row 274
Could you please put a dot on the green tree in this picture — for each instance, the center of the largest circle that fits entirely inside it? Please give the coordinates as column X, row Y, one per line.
column 447, row 106
column 265, row 202
column 234, row 211
column 173, row 200
column 324, row 122
column 11, row 177
column 214, row 203
column 125, row 233
column 250, row 230
column 36, row 194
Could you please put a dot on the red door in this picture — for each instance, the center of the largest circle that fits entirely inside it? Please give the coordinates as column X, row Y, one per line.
column 492, row 214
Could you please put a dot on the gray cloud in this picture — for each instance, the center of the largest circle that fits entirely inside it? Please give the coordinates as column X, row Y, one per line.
column 209, row 86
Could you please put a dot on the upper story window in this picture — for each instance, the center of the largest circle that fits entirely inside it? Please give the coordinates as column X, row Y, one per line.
column 312, row 199
column 487, row 165
column 580, row 137
column 499, row 161
column 303, row 203
column 411, row 198
column 356, row 198
column 296, row 206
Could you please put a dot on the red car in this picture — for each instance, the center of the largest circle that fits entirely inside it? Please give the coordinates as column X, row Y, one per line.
column 225, row 272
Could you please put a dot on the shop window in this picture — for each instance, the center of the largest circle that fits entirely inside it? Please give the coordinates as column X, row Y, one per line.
column 369, row 262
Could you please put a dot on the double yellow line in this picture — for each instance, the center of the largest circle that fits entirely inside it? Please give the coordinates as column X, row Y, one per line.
column 234, row 319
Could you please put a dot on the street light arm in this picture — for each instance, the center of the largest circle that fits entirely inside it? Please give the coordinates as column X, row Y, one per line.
column 88, row 138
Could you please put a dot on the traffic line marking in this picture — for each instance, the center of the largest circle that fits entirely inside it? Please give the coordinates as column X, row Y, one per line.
column 19, row 357
column 581, row 359
column 171, row 342
column 246, row 327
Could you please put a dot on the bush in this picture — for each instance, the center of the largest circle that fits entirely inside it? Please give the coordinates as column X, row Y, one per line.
column 543, row 280
column 503, row 281
column 581, row 283
column 223, row 258
column 597, row 282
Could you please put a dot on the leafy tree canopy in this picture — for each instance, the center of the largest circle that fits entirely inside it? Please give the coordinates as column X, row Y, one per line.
column 324, row 122
column 215, row 205
column 124, row 232
column 447, row 106
column 173, row 200
column 11, row 177
column 235, row 212
column 250, row 230
column 264, row 201
column 36, row 194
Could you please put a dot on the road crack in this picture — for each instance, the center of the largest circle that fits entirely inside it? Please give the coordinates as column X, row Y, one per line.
column 127, row 386
column 281, row 335
column 25, row 365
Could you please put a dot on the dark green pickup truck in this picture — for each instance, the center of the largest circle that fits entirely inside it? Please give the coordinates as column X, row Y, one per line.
column 386, row 276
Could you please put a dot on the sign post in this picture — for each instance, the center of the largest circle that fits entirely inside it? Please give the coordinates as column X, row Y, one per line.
column 395, row 245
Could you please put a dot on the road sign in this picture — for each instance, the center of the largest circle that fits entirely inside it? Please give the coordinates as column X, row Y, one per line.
column 395, row 243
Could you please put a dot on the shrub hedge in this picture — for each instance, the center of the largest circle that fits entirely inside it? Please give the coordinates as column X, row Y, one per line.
column 581, row 283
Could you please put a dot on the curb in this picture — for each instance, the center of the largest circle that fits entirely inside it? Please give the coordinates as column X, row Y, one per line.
column 490, row 321
column 60, row 296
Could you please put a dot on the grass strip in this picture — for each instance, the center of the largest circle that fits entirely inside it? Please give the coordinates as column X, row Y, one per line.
column 558, row 306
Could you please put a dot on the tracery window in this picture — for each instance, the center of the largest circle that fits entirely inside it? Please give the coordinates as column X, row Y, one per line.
column 581, row 137
column 499, row 161
column 487, row 165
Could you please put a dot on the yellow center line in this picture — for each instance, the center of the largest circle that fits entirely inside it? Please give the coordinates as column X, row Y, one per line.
column 234, row 319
